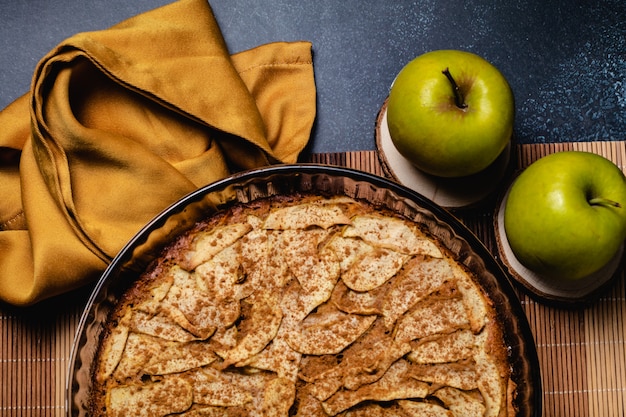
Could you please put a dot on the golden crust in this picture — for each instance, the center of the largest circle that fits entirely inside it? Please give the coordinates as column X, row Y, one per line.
column 303, row 305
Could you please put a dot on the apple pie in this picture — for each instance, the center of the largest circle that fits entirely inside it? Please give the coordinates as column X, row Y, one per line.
column 304, row 306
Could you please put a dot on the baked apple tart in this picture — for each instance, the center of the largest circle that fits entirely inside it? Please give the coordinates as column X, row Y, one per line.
column 308, row 306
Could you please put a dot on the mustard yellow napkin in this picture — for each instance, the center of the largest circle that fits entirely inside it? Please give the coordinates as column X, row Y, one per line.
column 120, row 123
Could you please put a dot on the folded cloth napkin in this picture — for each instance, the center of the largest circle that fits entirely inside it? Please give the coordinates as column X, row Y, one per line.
column 120, row 123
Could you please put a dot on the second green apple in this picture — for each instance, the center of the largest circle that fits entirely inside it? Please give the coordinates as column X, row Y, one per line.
column 450, row 113
column 565, row 215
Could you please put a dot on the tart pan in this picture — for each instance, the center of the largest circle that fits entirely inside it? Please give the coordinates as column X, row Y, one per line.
column 244, row 187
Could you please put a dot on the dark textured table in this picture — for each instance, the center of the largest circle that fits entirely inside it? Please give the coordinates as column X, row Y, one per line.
column 566, row 60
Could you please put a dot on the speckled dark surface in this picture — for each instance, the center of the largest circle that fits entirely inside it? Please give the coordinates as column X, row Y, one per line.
column 565, row 59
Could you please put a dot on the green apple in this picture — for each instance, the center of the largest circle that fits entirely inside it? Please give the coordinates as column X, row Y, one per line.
column 450, row 113
column 565, row 215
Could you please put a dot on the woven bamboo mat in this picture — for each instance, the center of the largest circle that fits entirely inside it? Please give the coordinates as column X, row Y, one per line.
column 582, row 352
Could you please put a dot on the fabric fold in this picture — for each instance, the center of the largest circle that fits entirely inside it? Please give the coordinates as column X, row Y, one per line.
column 121, row 123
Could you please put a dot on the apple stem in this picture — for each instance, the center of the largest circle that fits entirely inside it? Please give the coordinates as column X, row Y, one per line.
column 599, row 201
column 459, row 100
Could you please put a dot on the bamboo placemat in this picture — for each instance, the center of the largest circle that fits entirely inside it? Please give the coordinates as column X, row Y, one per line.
column 582, row 352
